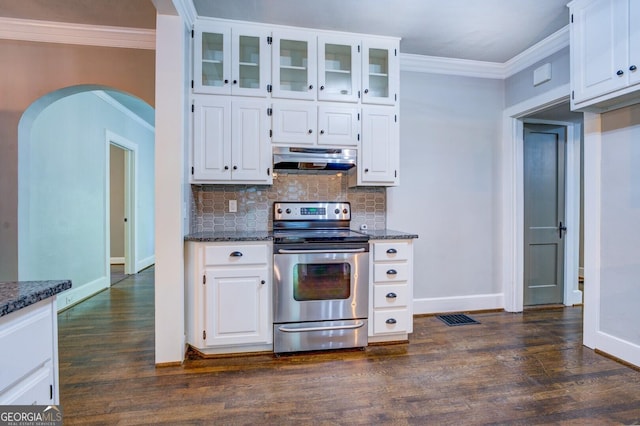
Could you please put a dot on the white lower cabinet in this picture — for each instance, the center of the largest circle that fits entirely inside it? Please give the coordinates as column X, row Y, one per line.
column 29, row 355
column 391, row 290
column 229, row 296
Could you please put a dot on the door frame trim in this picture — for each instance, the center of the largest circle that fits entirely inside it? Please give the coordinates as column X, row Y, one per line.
column 511, row 262
column 571, row 294
column 130, row 192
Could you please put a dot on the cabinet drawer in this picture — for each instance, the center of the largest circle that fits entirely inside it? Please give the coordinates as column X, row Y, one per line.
column 236, row 254
column 390, row 321
column 389, row 272
column 391, row 251
column 381, row 299
column 26, row 342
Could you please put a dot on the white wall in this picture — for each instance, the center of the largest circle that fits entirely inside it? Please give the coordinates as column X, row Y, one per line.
column 450, row 136
column 620, row 226
column 62, row 185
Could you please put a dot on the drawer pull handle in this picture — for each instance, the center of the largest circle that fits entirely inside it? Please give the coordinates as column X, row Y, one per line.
column 392, row 251
column 236, row 254
column 391, row 321
column 392, row 295
column 392, row 272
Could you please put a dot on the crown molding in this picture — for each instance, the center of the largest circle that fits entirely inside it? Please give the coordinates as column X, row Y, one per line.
column 123, row 109
column 451, row 66
column 187, row 11
column 480, row 69
column 70, row 33
column 543, row 49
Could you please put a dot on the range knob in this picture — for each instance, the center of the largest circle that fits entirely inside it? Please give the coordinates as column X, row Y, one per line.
column 337, row 211
column 279, row 211
column 345, row 211
column 288, row 211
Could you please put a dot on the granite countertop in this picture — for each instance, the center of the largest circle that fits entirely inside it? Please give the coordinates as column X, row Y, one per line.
column 15, row 295
column 209, row 236
column 387, row 234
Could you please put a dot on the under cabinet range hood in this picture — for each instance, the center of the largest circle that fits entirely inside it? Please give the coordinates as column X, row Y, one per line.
column 298, row 158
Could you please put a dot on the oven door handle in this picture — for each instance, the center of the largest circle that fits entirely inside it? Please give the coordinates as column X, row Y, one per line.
column 286, row 329
column 291, row 251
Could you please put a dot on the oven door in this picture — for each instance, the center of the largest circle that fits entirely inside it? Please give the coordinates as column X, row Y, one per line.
column 320, row 284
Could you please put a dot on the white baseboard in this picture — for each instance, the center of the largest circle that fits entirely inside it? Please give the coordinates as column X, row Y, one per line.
column 116, row 261
column 611, row 345
column 478, row 302
column 79, row 292
column 145, row 263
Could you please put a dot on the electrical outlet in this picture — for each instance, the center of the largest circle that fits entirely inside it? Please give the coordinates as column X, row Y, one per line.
column 233, row 206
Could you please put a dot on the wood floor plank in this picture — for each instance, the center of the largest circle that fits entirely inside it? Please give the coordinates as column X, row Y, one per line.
column 528, row 368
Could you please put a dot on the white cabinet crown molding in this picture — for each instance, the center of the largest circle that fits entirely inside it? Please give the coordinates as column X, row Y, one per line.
column 70, row 33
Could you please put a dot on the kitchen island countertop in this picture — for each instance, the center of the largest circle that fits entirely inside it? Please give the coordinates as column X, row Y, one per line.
column 15, row 295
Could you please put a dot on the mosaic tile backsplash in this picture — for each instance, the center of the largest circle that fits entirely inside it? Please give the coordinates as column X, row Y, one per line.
column 210, row 203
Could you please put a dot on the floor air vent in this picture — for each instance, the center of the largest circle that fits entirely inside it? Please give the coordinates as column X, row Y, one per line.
column 456, row 319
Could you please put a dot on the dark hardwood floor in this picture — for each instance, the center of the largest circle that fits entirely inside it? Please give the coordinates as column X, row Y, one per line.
column 523, row 369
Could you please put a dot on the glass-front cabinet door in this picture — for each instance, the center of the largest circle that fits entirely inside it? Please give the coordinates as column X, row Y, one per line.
column 338, row 69
column 231, row 60
column 294, row 65
column 250, row 60
column 380, row 65
column 212, row 64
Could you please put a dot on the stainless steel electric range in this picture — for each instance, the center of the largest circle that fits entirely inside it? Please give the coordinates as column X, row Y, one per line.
column 321, row 276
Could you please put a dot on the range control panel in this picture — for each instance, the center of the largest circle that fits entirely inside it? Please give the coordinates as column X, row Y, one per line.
column 331, row 210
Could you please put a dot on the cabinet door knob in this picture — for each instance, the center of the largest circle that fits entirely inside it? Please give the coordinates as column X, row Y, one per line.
column 310, row 86
column 322, row 132
column 235, row 167
column 633, row 68
column 236, row 254
column 366, row 91
column 392, row 251
column 392, row 272
column 391, row 321
column 226, row 167
column 321, row 87
column 392, row 295
column 262, row 282
column 620, row 72
column 226, row 81
column 366, row 170
column 235, row 81
column 310, row 131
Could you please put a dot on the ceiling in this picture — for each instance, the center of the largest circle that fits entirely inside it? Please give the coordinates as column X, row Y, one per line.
column 482, row 30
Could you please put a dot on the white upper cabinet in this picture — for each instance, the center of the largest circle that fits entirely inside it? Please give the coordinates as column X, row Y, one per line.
column 297, row 123
column 230, row 141
column 294, row 72
column 605, row 52
column 378, row 157
column 339, row 62
column 380, row 72
column 231, row 60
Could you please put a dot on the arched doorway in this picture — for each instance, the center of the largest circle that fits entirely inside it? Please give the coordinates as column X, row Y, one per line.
column 63, row 186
